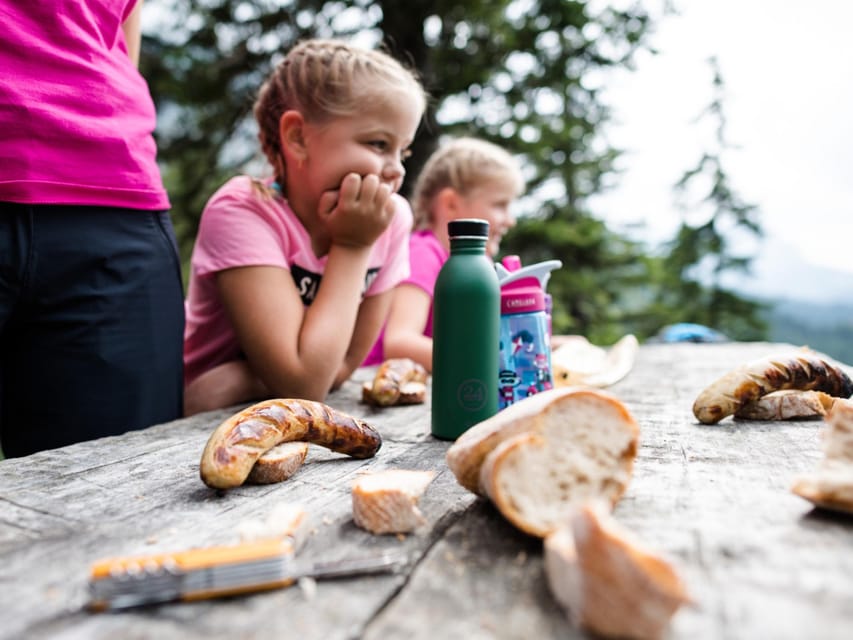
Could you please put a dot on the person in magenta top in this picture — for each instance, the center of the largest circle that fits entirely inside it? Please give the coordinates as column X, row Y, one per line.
column 291, row 277
column 91, row 299
column 464, row 178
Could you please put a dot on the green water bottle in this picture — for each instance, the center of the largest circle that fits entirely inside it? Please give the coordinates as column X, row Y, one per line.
column 466, row 327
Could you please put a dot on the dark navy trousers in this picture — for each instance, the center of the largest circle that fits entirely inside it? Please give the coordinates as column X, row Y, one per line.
column 91, row 324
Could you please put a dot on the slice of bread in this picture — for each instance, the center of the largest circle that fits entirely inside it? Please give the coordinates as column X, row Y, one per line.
column 606, row 581
column 831, row 485
column 838, row 432
column 539, row 457
column 283, row 521
column 279, row 463
column 386, row 501
column 786, row 405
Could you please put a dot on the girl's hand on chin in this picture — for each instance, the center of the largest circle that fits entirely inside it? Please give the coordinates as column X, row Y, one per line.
column 357, row 213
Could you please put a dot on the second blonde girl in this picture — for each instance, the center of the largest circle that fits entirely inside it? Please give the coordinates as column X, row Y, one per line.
column 464, row 178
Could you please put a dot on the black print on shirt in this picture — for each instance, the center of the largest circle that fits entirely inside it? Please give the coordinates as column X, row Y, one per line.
column 307, row 282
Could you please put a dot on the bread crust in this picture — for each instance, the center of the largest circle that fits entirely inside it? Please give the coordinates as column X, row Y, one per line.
column 803, row 370
column 279, row 463
column 606, row 581
column 386, row 501
column 397, row 381
column 236, row 444
column 831, row 485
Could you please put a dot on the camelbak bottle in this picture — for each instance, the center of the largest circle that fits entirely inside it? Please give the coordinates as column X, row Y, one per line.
column 466, row 315
column 525, row 330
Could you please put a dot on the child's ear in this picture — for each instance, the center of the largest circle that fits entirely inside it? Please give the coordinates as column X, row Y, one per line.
column 448, row 204
column 291, row 132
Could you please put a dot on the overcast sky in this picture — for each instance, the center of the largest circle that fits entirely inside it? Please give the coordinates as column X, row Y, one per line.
column 788, row 70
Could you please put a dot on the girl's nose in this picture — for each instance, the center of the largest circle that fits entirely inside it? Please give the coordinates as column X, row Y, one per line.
column 393, row 169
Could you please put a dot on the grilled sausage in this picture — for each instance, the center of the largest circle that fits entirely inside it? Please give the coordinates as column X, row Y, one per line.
column 803, row 370
column 390, row 378
column 236, row 444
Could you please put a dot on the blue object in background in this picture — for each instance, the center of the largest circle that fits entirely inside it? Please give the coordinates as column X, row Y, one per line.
column 689, row 332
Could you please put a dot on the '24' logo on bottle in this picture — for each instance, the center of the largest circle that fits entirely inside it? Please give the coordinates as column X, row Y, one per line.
column 471, row 394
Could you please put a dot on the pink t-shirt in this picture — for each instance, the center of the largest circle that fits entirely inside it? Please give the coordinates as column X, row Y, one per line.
column 426, row 257
column 241, row 227
column 75, row 114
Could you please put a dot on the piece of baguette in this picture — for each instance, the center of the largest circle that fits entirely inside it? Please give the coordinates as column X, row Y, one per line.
column 831, row 485
column 786, row 405
column 606, row 581
column 386, row 501
column 283, row 521
column 548, row 452
column 838, row 433
column 279, row 463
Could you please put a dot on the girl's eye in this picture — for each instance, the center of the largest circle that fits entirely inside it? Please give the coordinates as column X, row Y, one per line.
column 381, row 145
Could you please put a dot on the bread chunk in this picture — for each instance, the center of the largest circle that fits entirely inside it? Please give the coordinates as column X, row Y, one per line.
column 606, row 581
column 283, row 521
column 830, row 486
column 547, row 453
column 786, row 405
column 279, row 463
column 386, row 501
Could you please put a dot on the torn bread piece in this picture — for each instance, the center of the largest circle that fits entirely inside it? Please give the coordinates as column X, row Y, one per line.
column 386, row 501
column 786, row 405
column 831, row 485
column 607, row 581
column 279, row 463
column 543, row 455
column 283, row 521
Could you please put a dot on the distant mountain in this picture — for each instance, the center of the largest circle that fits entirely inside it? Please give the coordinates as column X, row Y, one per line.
column 808, row 304
column 827, row 327
column 781, row 272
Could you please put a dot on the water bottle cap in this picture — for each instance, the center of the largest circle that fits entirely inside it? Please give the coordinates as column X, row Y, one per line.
column 522, row 300
column 511, row 273
column 470, row 227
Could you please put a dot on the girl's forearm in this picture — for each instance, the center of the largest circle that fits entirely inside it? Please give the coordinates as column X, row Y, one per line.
column 329, row 322
column 418, row 347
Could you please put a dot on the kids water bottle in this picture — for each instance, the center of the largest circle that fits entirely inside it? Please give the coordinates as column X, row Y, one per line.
column 525, row 330
column 466, row 314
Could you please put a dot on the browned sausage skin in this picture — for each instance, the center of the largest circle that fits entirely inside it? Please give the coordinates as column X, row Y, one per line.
column 805, row 371
column 237, row 443
column 390, row 378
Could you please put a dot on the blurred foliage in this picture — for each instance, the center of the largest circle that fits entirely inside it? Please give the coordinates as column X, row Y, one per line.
column 524, row 74
column 703, row 253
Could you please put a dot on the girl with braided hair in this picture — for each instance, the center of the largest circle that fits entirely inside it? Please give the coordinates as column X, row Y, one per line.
column 291, row 276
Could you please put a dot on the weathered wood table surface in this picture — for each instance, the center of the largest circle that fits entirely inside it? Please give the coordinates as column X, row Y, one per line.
column 759, row 561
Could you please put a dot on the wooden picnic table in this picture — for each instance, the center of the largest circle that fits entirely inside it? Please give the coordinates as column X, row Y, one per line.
column 758, row 561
